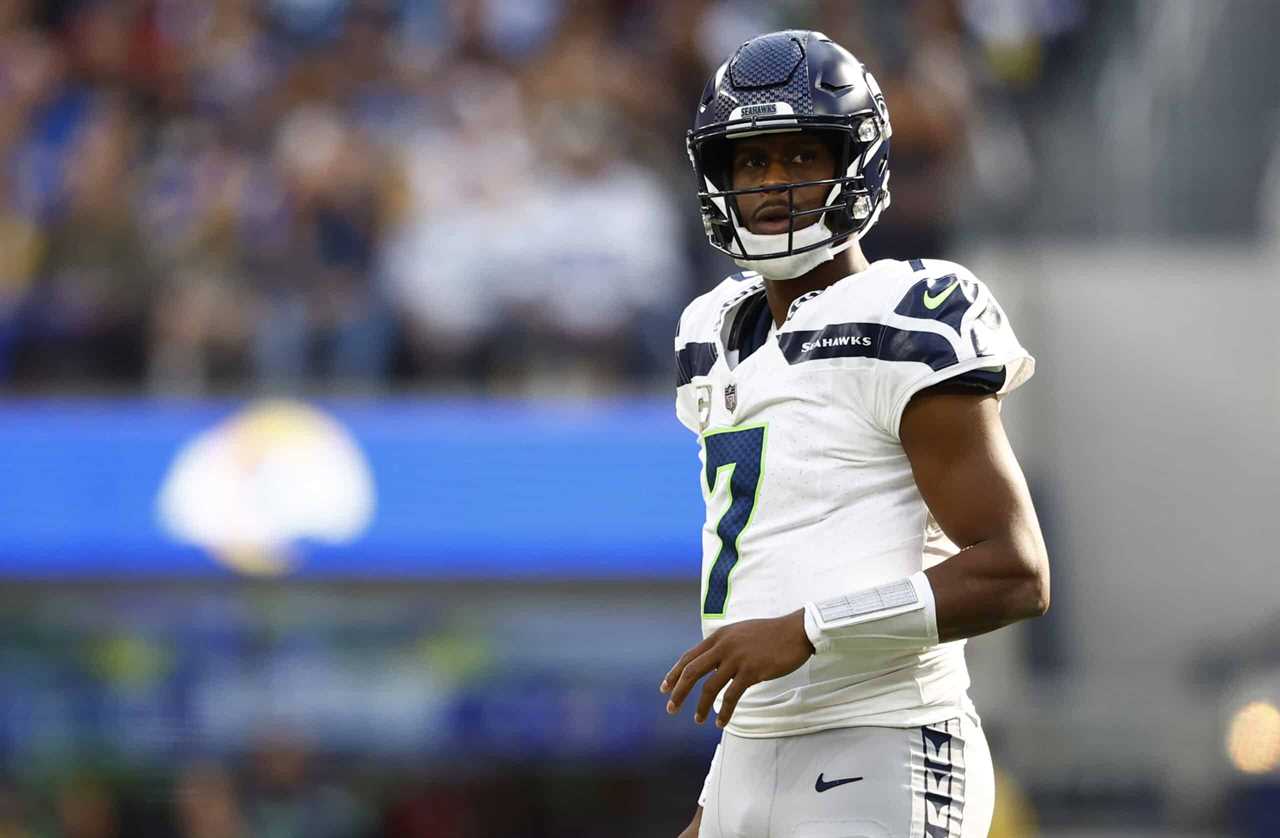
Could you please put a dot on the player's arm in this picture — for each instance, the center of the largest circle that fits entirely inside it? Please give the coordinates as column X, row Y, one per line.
column 972, row 483
column 691, row 831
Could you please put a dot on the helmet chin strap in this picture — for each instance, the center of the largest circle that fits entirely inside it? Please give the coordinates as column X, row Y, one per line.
column 796, row 264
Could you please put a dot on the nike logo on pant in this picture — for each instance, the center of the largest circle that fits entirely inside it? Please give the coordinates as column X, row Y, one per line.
column 822, row 785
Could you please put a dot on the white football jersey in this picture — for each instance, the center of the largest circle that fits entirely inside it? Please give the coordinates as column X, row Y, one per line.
column 809, row 493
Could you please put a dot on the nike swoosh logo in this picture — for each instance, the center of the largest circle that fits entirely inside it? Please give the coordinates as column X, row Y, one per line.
column 822, row 785
column 932, row 302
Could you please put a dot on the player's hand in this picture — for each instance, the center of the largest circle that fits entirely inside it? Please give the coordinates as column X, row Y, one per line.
column 739, row 655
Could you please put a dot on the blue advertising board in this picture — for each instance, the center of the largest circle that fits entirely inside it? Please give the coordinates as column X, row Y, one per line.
column 347, row 489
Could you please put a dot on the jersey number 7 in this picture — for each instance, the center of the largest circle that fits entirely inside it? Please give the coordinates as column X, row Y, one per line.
column 739, row 452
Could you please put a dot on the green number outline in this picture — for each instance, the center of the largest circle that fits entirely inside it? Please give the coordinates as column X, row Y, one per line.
column 751, row 514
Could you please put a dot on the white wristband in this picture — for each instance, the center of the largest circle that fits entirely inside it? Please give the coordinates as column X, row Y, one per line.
column 898, row 615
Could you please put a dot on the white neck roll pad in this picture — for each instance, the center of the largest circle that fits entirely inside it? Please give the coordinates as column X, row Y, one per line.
column 797, row 264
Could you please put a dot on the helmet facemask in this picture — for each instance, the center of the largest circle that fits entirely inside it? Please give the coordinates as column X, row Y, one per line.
column 859, row 144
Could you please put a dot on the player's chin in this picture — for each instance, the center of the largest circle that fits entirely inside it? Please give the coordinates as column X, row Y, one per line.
column 771, row 227
column 779, row 226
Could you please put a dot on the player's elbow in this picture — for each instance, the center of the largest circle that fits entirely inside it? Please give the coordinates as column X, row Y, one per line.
column 1036, row 597
column 1033, row 586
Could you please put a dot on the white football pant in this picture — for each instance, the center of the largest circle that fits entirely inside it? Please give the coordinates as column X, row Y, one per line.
column 934, row 781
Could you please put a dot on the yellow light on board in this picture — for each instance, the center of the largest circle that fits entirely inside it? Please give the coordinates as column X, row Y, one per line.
column 1253, row 738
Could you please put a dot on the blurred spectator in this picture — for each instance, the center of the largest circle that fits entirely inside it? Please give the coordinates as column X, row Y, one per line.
column 19, row 250
column 207, row 805
column 321, row 313
column 13, row 815
column 431, row 811
column 285, row 801
column 87, row 809
column 86, row 314
column 203, row 315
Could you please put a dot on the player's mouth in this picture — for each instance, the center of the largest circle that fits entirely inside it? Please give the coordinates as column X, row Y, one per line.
column 771, row 219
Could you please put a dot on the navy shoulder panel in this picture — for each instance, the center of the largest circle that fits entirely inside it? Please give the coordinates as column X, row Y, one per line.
column 694, row 359
column 944, row 298
column 922, row 347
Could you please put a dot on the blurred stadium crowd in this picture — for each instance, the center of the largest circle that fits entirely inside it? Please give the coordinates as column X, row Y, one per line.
column 486, row 194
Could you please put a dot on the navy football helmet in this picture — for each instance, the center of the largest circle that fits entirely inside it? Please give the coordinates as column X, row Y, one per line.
column 794, row 80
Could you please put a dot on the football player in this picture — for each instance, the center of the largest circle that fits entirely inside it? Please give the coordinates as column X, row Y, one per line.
column 865, row 513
